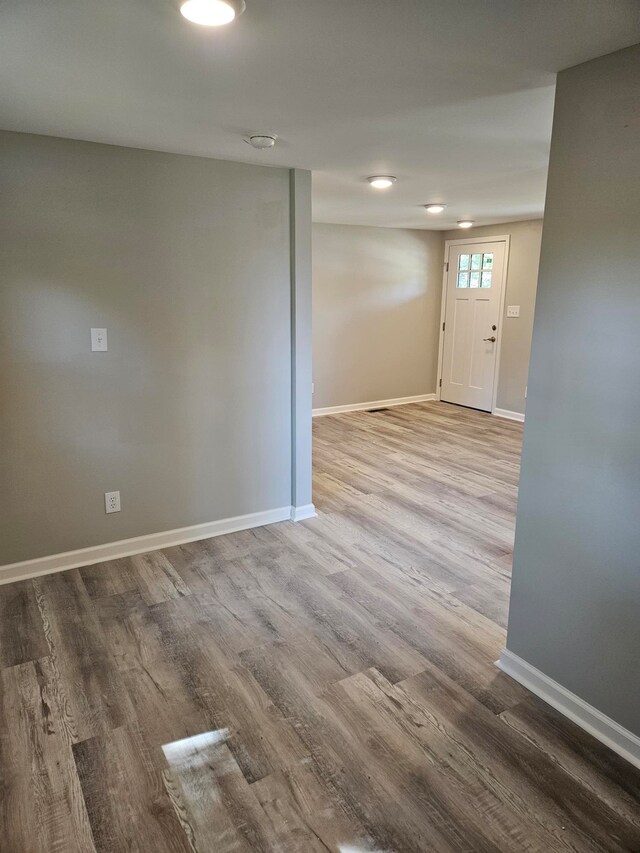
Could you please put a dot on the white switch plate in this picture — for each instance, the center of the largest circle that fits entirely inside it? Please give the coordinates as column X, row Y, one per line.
column 98, row 340
column 513, row 310
column 112, row 502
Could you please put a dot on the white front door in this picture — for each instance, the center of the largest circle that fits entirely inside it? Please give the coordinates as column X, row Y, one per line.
column 472, row 313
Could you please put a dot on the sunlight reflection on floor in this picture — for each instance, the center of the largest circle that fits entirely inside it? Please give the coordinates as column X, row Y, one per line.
column 191, row 750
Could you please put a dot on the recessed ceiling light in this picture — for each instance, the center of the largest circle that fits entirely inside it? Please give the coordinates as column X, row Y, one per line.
column 382, row 182
column 465, row 223
column 434, row 208
column 212, row 13
column 261, row 140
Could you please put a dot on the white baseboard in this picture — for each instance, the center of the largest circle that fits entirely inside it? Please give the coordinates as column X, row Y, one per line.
column 141, row 544
column 603, row 728
column 376, row 404
column 505, row 413
column 300, row 513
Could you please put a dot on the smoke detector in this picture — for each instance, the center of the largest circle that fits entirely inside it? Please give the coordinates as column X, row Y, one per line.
column 261, row 140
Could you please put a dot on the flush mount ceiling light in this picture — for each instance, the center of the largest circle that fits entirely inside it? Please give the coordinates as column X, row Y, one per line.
column 381, row 182
column 434, row 208
column 261, row 140
column 212, row 13
column 465, row 223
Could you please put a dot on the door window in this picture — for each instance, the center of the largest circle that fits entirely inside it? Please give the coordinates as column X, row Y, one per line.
column 475, row 270
column 487, row 267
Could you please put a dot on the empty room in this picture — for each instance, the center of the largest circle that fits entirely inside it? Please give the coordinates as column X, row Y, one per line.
column 319, row 481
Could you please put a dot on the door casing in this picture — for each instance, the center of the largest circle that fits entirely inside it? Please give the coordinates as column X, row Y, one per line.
column 500, row 238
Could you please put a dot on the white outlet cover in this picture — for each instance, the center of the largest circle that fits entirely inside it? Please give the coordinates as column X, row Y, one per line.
column 98, row 340
column 111, row 502
column 513, row 310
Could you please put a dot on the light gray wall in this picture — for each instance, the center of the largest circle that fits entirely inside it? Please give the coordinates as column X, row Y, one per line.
column 376, row 313
column 522, row 279
column 301, row 340
column 575, row 602
column 187, row 262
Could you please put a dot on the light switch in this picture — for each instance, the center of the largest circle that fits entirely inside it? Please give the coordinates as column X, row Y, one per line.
column 98, row 340
column 513, row 310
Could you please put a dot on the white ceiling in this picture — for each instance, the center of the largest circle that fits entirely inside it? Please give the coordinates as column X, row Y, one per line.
column 454, row 97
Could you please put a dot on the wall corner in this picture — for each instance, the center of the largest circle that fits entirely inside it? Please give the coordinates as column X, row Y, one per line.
column 301, row 337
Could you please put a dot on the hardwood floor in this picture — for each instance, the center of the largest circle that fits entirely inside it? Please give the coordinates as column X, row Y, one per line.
column 321, row 686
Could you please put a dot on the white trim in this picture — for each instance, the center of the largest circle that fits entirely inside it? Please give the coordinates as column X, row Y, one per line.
column 377, row 404
column 139, row 545
column 500, row 238
column 300, row 513
column 463, row 241
column 603, row 728
column 503, row 302
column 505, row 413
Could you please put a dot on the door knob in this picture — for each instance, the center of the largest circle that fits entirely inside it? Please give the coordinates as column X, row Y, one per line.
column 492, row 339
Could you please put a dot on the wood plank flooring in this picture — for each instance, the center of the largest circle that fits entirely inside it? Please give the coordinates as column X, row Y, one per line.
column 321, row 686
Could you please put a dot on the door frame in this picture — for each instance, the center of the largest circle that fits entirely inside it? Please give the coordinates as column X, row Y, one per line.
column 501, row 238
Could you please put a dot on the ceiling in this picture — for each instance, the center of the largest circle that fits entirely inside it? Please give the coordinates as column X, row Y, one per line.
column 454, row 97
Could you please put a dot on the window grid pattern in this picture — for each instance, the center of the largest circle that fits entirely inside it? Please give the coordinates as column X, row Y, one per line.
column 475, row 270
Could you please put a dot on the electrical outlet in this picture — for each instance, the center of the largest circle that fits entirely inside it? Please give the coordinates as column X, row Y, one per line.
column 112, row 501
